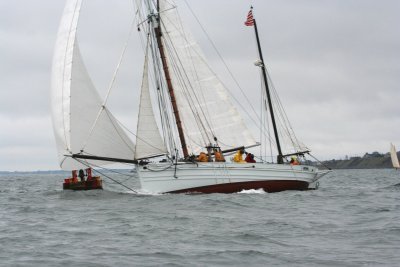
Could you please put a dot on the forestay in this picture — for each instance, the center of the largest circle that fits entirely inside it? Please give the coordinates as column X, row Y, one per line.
column 79, row 119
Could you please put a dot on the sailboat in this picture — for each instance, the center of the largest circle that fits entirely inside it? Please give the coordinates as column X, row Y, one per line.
column 393, row 156
column 188, row 112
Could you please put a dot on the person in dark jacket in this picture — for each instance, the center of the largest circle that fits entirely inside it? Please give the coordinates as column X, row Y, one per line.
column 250, row 158
column 81, row 175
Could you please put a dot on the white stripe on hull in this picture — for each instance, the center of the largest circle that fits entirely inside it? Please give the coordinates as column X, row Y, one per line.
column 164, row 177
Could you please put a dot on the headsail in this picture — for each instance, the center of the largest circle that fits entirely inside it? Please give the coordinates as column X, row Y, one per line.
column 148, row 139
column 81, row 123
column 393, row 156
column 204, row 103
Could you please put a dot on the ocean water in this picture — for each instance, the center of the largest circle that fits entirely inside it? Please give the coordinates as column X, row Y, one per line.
column 353, row 219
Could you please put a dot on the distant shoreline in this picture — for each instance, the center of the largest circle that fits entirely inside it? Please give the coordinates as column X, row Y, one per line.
column 368, row 161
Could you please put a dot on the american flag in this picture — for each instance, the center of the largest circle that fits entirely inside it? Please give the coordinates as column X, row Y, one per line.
column 250, row 19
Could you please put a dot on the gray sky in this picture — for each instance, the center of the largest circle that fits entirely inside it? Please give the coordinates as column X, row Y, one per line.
column 335, row 65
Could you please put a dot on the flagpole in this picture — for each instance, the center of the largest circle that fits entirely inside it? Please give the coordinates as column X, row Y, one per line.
column 271, row 110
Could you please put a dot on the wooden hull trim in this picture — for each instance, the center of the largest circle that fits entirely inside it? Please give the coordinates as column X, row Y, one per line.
column 270, row 186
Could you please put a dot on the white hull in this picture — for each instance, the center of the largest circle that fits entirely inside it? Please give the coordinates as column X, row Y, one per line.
column 214, row 177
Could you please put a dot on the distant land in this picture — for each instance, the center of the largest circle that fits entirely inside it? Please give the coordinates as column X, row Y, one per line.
column 374, row 160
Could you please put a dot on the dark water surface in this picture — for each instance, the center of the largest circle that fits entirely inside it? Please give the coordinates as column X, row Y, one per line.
column 353, row 219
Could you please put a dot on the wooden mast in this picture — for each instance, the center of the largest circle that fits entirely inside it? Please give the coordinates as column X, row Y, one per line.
column 271, row 110
column 158, row 34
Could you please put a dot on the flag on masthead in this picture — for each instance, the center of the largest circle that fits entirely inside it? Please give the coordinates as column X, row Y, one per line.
column 250, row 19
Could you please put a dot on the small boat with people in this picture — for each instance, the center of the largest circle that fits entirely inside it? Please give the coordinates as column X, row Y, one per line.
column 86, row 181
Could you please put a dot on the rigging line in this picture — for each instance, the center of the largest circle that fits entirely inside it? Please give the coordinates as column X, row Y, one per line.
column 193, row 102
column 184, row 34
column 290, row 132
column 221, row 58
column 103, row 174
column 75, row 13
column 245, row 110
column 128, row 130
column 265, row 127
column 144, row 87
column 165, row 110
column 237, row 101
column 192, row 105
column 262, row 136
column 283, row 123
column 282, row 110
column 227, row 69
column 233, row 97
column 110, row 117
column 103, row 106
column 180, row 79
column 188, row 44
column 267, row 122
column 326, row 166
column 162, row 94
column 280, row 117
column 168, row 138
column 163, row 169
column 167, row 117
column 154, row 80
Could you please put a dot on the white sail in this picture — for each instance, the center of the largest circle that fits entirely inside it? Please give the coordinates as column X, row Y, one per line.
column 205, row 106
column 76, row 105
column 393, row 156
column 148, row 139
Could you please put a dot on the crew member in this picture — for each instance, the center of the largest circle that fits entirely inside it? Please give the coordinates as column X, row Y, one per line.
column 250, row 158
column 294, row 161
column 238, row 158
column 81, row 175
column 218, row 156
column 74, row 178
column 202, row 157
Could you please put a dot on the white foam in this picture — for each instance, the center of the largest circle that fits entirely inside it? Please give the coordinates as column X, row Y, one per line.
column 253, row 191
column 144, row 192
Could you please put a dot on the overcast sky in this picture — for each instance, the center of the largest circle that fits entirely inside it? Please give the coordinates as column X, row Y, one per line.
column 335, row 65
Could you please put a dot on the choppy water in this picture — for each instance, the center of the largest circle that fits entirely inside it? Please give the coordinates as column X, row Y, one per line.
column 353, row 219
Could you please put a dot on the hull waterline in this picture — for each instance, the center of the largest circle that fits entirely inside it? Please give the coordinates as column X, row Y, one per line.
column 267, row 186
column 226, row 178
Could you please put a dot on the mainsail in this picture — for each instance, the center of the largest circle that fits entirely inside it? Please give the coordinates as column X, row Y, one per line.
column 204, row 103
column 81, row 123
column 393, row 156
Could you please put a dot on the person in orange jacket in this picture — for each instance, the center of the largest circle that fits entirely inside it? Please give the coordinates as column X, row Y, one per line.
column 218, row 156
column 202, row 157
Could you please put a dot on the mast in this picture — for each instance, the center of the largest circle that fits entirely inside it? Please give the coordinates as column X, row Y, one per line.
column 158, row 34
column 271, row 110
